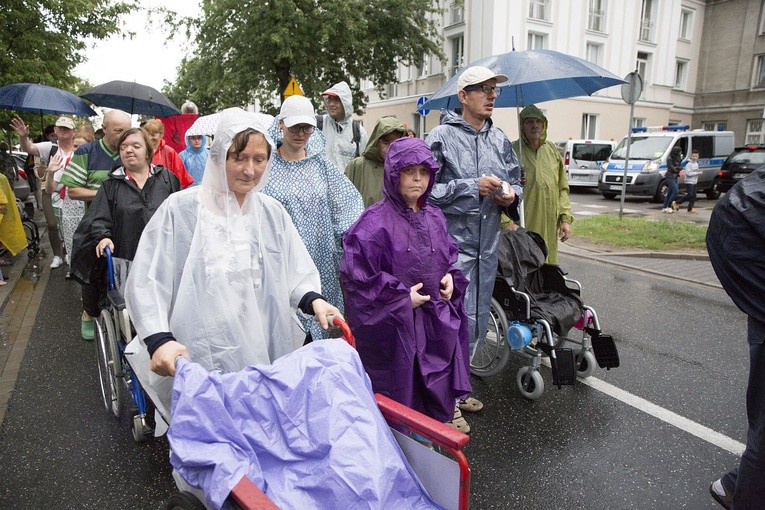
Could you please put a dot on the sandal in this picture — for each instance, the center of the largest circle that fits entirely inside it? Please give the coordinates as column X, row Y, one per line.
column 470, row 405
column 458, row 422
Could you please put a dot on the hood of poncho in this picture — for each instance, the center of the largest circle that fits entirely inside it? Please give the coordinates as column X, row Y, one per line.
column 532, row 112
column 384, row 126
column 403, row 153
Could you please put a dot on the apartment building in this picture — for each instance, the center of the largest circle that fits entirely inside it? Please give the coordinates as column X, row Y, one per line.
column 662, row 39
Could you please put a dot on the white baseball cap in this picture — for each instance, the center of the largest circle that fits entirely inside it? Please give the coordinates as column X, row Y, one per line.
column 297, row 110
column 474, row 75
column 65, row 122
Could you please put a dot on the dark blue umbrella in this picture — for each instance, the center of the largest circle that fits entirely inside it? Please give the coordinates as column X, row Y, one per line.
column 534, row 76
column 31, row 97
column 131, row 97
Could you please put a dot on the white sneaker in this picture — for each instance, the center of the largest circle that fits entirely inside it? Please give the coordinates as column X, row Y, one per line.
column 56, row 262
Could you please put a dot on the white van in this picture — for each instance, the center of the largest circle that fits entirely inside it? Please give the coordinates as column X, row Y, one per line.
column 582, row 160
column 648, row 160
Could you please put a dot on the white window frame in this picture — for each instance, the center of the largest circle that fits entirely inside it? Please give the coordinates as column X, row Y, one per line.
column 715, row 126
column 589, row 126
column 423, row 70
column 646, row 21
column 594, row 53
column 639, row 121
column 755, row 132
column 643, row 66
column 456, row 13
column 539, row 9
column 457, row 54
column 536, row 41
column 596, row 15
column 686, row 24
column 758, row 77
column 761, row 30
column 681, row 74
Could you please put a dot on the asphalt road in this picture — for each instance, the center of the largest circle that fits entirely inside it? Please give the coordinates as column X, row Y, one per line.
column 683, row 354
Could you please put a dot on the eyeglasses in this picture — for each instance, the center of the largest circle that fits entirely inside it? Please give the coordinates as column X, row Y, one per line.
column 332, row 99
column 305, row 128
column 486, row 89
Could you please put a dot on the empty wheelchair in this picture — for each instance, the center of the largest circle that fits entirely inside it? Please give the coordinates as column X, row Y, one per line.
column 537, row 313
column 113, row 331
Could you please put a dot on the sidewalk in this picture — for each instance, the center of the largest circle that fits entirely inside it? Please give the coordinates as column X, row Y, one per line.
column 686, row 266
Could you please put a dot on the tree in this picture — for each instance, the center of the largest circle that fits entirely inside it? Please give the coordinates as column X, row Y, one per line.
column 248, row 49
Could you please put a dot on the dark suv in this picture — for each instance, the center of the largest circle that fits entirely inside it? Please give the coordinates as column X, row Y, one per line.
column 742, row 162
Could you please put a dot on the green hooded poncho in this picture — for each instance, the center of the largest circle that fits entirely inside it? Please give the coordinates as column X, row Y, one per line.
column 546, row 202
column 366, row 172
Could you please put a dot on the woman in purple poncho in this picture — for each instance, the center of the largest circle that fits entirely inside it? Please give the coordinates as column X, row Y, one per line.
column 403, row 294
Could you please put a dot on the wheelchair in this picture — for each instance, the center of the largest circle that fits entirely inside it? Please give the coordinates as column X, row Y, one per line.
column 113, row 331
column 537, row 313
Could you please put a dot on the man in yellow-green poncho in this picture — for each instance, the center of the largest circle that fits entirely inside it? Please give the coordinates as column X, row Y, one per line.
column 546, row 203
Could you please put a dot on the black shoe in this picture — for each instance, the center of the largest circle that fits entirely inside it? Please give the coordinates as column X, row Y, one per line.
column 725, row 499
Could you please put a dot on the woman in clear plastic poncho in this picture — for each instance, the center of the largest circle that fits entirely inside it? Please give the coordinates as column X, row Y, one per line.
column 220, row 269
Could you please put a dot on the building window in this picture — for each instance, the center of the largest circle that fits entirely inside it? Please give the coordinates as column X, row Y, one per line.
column 536, row 41
column 646, row 21
column 759, row 75
column 539, row 9
column 405, row 72
column 391, row 90
column 596, row 16
column 642, row 66
column 456, row 13
column 594, row 52
column 762, row 20
column 686, row 24
column 715, row 126
column 755, row 132
column 457, row 54
column 423, row 68
column 681, row 71
column 638, row 121
column 589, row 126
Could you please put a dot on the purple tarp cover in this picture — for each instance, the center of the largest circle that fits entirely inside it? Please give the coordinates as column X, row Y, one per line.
column 306, row 430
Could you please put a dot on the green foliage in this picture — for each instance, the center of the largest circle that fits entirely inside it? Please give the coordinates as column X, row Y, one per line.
column 43, row 41
column 641, row 233
column 248, row 49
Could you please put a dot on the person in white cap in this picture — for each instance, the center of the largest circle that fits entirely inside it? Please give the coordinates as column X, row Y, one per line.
column 319, row 198
column 479, row 179
column 59, row 153
column 346, row 137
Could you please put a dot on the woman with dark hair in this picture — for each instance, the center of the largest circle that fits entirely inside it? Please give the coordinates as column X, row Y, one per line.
column 123, row 206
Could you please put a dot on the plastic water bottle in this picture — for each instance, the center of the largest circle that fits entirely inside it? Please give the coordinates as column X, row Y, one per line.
column 518, row 335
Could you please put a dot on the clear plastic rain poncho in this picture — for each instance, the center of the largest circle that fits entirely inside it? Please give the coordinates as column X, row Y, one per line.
column 224, row 280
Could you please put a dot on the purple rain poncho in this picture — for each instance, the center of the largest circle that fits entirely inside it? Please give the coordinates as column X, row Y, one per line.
column 418, row 357
column 306, row 430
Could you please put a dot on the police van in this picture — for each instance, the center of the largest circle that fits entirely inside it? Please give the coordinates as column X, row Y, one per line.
column 648, row 153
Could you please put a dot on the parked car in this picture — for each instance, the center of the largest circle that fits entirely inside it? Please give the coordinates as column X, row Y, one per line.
column 742, row 162
column 21, row 185
column 582, row 160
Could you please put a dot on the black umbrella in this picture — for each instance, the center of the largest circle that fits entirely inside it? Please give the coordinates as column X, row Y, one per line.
column 131, row 97
column 32, row 97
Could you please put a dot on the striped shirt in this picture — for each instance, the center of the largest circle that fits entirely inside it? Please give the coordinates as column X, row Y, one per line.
column 90, row 165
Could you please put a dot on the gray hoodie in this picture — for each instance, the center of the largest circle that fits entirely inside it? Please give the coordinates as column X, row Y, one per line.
column 340, row 147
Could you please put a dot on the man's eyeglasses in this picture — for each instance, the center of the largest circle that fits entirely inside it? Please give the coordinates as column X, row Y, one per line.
column 305, row 128
column 486, row 89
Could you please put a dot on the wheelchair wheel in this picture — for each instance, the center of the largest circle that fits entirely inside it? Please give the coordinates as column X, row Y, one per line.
column 492, row 352
column 139, row 429
column 107, row 352
column 585, row 363
column 184, row 501
column 530, row 383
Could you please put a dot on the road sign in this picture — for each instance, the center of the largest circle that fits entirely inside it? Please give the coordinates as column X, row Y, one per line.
column 420, row 102
column 633, row 88
column 293, row 88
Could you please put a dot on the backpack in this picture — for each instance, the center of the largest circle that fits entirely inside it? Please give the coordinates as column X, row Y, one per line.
column 355, row 125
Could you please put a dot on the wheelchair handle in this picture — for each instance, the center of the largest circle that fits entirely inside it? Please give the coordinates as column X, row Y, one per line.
column 339, row 322
column 109, row 267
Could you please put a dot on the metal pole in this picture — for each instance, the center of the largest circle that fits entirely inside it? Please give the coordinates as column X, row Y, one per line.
column 626, row 161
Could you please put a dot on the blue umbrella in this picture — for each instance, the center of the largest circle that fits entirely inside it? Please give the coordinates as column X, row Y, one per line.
column 534, row 76
column 131, row 97
column 32, row 97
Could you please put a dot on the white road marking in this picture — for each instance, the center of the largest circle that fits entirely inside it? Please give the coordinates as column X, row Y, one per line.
column 596, row 206
column 585, row 213
column 667, row 416
column 705, row 433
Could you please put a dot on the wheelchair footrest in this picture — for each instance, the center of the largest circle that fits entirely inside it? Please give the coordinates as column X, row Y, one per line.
column 116, row 299
column 563, row 367
column 604, row 348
